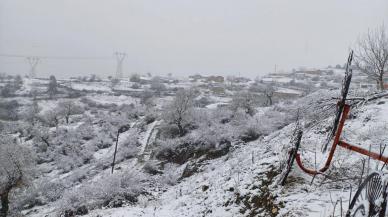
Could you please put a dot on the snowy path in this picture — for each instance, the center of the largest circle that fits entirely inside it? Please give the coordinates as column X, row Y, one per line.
column 148, row 139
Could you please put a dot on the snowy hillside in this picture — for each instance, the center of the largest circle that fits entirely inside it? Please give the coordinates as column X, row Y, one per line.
column 242, row 183
column 183, row 152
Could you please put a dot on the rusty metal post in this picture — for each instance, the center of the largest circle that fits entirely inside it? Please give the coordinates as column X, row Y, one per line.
column 333, row 147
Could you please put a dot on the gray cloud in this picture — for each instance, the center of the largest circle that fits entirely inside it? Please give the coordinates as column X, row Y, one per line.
column 182, row 36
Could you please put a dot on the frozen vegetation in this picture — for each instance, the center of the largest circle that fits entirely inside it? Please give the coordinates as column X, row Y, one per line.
column 195, row 147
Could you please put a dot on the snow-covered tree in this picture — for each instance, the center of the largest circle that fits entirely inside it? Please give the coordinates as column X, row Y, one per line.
column 67, row 108
column 135, row 78
column 157, row 85
column 178, row 112
column 372, row 55
column 267, row 90
column 52, row 117
column 7, row 90
column 15, row 168
column 69, row 150
column 244, row 100
column 41, row 137
column 52, row 88
column 9, row 110
column 31, row 113
column 146, row 98
column 18, row 82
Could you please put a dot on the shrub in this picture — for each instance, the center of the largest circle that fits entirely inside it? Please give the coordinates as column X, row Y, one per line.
column 181, row 150
column 104, row 192
column 136, row 86
column 129, row 147
column 149, row 118
column 9, row 110
column 152, row 167
column 169, row 131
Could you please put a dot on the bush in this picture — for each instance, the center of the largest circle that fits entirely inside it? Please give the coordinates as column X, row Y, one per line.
column 9, row 110
column 152, row 167
column 181, row 150
column 136, row 86
column 69, row 151
column 129, row 147
column 105, row 192
column 249, row 134
column 135, row 78
column 203, row 102
column 149, row 118
column 168, row 131
column 52, row 191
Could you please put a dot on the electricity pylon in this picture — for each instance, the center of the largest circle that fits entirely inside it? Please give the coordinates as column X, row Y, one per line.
column 33, row 61
column 120, row 59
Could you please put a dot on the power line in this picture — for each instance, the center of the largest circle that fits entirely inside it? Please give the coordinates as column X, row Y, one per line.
column 12, row 55
column 60, row 57
column 35, row 60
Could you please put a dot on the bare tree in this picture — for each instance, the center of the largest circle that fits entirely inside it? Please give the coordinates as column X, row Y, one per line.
column 245, row 101
column 157, row 85
column 18, row 82
column 7, row 90
column 52, row 88
column 147, row 98
column 372, row 55
column 14, row 169
column 31, row 114
column 41, row 134
column 268, row 92
column 68, row 108
column 179, row 111
column 52, row 117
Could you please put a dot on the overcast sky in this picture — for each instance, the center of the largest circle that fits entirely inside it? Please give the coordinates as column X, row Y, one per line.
column 183, row 37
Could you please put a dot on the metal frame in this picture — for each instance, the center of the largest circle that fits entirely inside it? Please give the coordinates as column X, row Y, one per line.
column 374, row 187
column 343, row 144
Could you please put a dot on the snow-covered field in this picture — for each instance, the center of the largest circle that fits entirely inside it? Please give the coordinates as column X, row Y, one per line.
column 161, row 173
column 246, row 167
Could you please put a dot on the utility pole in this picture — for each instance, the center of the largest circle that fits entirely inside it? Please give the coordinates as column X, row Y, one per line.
column 33, row 61
column 120, row 56
column 122, row 129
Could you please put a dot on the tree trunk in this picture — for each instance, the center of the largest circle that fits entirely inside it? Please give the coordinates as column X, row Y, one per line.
column 4, row 204
column 45, row 141
column 67, row 119
column 181, row 130
column 269, row 100
column 381, row 81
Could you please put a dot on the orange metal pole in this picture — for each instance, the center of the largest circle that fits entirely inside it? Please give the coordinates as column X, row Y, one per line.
column 333, row 147
column 343, row 144
column 363, row 151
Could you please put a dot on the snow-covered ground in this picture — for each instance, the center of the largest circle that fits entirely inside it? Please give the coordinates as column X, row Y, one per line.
column 240, row 183
column 246, row 168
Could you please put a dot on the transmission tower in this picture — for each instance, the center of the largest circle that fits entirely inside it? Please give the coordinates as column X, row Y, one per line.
column 33, row 61
column 120, row 59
